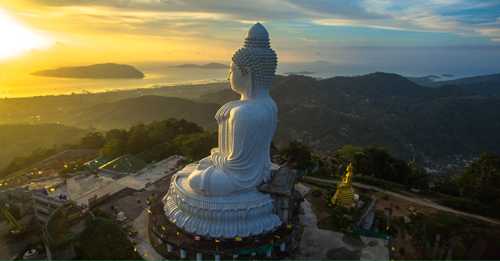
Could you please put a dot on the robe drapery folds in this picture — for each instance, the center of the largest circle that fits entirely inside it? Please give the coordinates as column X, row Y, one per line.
column 246, row 129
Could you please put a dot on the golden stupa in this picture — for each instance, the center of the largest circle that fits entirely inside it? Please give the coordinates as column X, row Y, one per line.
column 345, row 193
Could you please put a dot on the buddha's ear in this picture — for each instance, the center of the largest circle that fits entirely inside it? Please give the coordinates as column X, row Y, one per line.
column 247, row 76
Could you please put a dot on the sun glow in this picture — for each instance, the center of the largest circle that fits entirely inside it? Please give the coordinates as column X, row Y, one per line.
column 16, row 39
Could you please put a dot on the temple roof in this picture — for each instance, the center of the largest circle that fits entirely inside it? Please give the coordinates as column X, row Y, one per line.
column 257, row 30
column 98, row 162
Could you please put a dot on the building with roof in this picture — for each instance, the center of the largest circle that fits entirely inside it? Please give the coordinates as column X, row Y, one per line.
column 45, row 205
column 124, row 164
column 97, row 162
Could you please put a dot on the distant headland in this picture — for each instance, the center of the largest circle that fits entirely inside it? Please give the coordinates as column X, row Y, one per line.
column 96, row 71
column 206, row 66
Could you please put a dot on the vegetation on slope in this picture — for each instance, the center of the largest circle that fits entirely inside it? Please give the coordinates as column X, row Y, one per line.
column 103, row 240
column 20, row 140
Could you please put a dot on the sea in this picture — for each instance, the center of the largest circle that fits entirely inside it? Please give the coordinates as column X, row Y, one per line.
column 163, row 74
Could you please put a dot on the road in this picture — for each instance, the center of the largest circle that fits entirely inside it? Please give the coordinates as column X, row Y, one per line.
column 415, row 200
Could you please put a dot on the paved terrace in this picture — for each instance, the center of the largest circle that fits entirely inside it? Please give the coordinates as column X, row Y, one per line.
column 81, row 188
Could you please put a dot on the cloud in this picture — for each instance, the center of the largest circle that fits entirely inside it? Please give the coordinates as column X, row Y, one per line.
column 340, row 9
column 268, row 10
column 447, row 47
column 466, row 17
column 495, row 40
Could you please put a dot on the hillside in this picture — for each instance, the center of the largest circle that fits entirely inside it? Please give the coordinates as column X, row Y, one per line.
column 485, row 84
column 21, row 140
column 384, row 110
column 96, row 71
column 380, row 109
column 125, row 113
column 63, row 108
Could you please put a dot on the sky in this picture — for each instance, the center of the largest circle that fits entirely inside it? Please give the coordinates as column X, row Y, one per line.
column 442, row 36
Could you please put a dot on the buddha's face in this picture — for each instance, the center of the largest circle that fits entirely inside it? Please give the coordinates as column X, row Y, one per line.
column 237, row 79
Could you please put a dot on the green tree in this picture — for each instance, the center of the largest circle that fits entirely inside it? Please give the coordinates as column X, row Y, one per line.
column 114, row 149
column 93, row 140
column 419, row 178
column 401, row 171
column 345, row 156
column 196, row 146
column 481, row 179
column 298, row 152
column 376, row 162
column 120, row 134
column 139, row 139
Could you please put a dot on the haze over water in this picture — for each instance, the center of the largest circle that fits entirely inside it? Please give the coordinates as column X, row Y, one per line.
column 157, row 73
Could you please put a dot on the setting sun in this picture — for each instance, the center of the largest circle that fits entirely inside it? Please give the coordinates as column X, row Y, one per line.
column 16, row 38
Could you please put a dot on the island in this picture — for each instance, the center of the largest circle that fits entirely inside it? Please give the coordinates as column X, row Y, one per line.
column 96, row 71
column 206, row 66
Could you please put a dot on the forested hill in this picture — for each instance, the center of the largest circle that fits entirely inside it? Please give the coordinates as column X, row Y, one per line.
column 125, row 113
column 22, row 139
column 384, row 110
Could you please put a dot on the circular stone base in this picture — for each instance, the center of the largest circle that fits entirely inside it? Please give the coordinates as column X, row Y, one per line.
column 161, row 228
column 245, row 214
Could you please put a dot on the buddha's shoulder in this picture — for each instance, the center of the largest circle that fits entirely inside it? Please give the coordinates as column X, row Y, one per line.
column 250, row 106
column 248, row 109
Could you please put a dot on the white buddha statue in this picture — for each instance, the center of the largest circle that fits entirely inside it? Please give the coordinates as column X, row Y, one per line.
column 218, row 197
column 246, row 127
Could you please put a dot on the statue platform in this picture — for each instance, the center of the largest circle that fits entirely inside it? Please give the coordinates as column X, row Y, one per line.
column 344, row 196
column 245, row 214
column 171, row 241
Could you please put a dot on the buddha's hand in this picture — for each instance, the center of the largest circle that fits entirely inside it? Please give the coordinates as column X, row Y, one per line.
column 205, row 163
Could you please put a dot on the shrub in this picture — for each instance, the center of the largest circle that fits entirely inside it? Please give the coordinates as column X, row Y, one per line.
column 105, row 240
column 100, row 212
column 316, row 193
column 469, row 205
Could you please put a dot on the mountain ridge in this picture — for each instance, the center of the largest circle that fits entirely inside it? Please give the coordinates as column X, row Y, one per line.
column 206, row 66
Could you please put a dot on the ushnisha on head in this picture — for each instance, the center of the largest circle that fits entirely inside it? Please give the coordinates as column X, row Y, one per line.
column 257, row 55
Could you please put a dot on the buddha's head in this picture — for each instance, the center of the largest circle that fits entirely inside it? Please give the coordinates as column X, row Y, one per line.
column 350, row 168
column 256, row 61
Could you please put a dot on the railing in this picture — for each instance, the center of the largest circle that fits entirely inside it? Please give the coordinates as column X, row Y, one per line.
column 49, row 200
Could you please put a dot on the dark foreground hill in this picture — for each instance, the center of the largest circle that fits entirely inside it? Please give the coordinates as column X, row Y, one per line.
column 384, row 110
column 96, row 71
